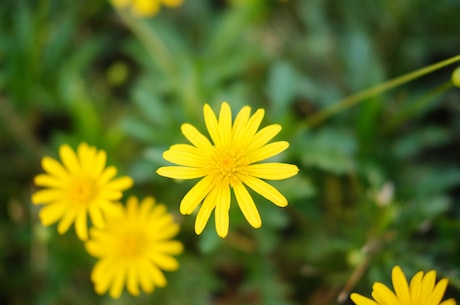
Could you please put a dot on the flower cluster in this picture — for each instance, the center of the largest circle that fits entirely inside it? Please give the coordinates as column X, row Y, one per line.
column 132, row 243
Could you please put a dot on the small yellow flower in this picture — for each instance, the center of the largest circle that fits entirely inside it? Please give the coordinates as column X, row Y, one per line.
column 133, row 248
column 81, row 185
column 422, row 290
column 145, row 8
column 231, row 162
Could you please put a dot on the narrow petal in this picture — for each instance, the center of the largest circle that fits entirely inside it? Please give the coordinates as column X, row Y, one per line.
column 196, row 194
column 251, row 128
column 69, row 159
column 239, row 125
column 384, row 296
column 87, row 157
column 362, row 300
column 107, row 175
column 225, row 123
column 96, row 216
column 264, row 136
column 163, row 261
column 272, row 171
column 132, row 283
column 179, row 172
column 81, row 226
column 212, row 125
column 170, row 247
column 157, row 276
column 222, row 209
column 52, row 212
column 49, row 181
column 438, row 293
column 66, row 221
column 195, row 137
column 267, row 151
column 207, row 207
column 185, row 155
column 144, row 276
column 47, row 195
column 99, row 163
column 428, row 283
column 266, row 190
column 118, row 283
column 54, row 168
column 400, row 285
column 120, row 184
column 449, row 302
column 247, row 206
column 416, row 287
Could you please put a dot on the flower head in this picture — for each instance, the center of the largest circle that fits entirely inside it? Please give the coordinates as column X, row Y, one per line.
column 81, row 185
column 422, row 290
column 133, row 248
column 231, row 161
column 145, row 8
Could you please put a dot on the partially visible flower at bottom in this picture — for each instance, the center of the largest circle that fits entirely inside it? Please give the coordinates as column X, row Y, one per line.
column 133, row 248
column 422, row 290
column 145, row 8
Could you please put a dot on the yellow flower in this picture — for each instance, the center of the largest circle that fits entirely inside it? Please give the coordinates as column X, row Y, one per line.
column 145, row 8
column 230, row 162
column 422, row 290
column 78, row 186
column 133, row 248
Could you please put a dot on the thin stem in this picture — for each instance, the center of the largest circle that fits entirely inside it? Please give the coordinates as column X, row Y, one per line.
column 359, row 97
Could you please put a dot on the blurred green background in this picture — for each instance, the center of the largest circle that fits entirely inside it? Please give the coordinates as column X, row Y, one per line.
column 379, row 183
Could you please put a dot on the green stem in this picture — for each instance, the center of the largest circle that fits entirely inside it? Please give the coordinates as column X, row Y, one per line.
column 359, row 97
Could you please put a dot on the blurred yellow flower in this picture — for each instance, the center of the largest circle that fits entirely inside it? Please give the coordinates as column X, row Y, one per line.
column 78, row 186
column 422, row 290
column 145, row 8
column 133, row 248
column 230, row 162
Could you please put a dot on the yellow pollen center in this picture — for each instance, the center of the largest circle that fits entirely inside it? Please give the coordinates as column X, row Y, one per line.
column 83, row 191
column 229, row 165
column 132, row 245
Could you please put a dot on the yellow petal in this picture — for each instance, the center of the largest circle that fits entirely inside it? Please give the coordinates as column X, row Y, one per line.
column 96, row 216
column 81, row 226
column 361, row 300
column 102, row 275
column 107, row 175
column 251, row 128
column 52, row 212
column 221, row 212
column 400, row 285
column 416, row 287
column 207, row 207
column 267, row 151
column 263, row 136
column 47, row 195
column 163, row 261
column 196, row 138
column 118, row 282
column 54, row 168
column 70, row 160
column 225, row 123
column 196, row 194
column 438, row 293
column 179, row 172
column 99, row 163
column 120, row 184
column 449, row 302
column 145, row 278
column 247, row 206
column 272, row 171
column 132, row 280
column 383, row 295
column 428, row 283
column 49, row 181
column 185, row 155
column 66, row 221
column 266, row 190
column 239, row 125
column 156, row 275
column 170, row 247
column 212, row 125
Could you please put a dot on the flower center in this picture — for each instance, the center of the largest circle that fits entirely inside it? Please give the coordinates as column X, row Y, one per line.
column 83, row 191
column 229, row 165
column 132, row 245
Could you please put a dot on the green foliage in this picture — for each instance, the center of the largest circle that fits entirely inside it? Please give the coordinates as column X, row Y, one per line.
column 378, row 184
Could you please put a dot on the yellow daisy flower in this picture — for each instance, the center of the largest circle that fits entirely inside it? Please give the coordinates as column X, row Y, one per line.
column 145, row 8
column 133, row 248
column 81, row 185
column 422, row 290
column 231, row 161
